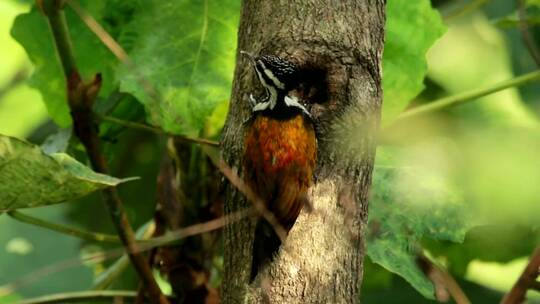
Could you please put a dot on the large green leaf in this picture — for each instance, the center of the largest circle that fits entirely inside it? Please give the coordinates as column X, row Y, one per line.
column 407, row 206
column 189, row 60
column 411, row 28
column 31, row 178
column 183, row 71
column 32, row 32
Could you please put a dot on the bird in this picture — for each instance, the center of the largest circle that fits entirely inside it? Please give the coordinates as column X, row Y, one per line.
column 280, row 152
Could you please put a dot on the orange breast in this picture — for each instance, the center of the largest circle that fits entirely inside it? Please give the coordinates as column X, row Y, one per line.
column 279, row 158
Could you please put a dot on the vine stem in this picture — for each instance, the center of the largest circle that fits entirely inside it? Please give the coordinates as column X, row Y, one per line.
column 458, row 99
column 81, row 97
column 85, row 235
column 465, row 9
column 526, row 36
column 145, row 127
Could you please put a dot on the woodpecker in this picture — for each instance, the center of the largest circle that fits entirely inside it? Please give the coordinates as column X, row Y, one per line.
column 280, row 151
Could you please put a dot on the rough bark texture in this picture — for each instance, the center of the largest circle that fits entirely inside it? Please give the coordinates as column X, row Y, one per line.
column 321, row 261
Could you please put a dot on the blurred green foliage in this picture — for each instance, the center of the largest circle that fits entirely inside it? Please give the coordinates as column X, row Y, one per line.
column 404, row 62
column 417, row 204
column 459, row 185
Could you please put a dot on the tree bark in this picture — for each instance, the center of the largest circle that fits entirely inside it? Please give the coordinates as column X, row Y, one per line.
column 321, row 260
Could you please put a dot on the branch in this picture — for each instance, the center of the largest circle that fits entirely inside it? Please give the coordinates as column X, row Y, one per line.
column 59, row 29
column 257, row 202
column 99, row 257
column 111, row 296
column 182, row 233
column 443, row 282
column 145, row 127
column 85, row 235
column 465, row 9
column 107, row 277
column 462, row 98
column 113, row 46
column 525, row 33
column 81, row 97
column 525, row 281
column 46, row 271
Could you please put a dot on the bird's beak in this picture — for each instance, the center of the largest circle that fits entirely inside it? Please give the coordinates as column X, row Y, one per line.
column 249, row 56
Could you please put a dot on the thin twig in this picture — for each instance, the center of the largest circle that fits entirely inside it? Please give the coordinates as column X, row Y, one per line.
column 79, row 233
column 257, row 202
column 105, row 38
column 110, row 296
column 176, row 235
column 525, row 33
column 145, row 127
column 107, row 277
column 443, row 282
column 81, row 96
column 15, row 80
column 99, row 257
column 48, row 270
column 471, row 95
column 526, row 280
column 113, row 46
column 465, row 9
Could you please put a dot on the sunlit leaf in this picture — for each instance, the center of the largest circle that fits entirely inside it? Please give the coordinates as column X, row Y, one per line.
column 189, row 61
column 33, row 33
column 411, row 28
column 31, row 178
column 472, row 55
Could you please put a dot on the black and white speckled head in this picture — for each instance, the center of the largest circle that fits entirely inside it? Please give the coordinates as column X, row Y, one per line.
column 278, row 76
column 274, row 71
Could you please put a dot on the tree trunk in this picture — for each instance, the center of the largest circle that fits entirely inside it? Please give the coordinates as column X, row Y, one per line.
column 321, row 260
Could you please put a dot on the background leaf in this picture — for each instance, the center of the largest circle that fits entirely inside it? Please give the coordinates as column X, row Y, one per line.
column 32, row 32
column 189, row 61
column 16, row 96
column 45, row 249
column 408, row 205
column 411, row 28
column 31, row 178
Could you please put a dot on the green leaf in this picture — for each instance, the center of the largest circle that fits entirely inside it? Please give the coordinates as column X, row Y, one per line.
column 189, row 60
column 32, row 31
column 11, row 298
column 31, row 178
column 411, row 28
column 406, row 207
